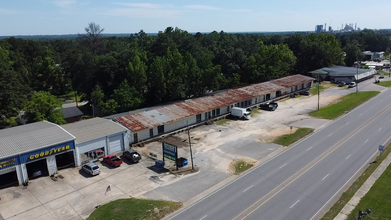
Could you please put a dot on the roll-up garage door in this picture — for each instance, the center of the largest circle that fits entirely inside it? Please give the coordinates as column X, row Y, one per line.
column 115, row 144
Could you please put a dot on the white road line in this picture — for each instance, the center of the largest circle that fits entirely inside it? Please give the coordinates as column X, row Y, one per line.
column 348, row 156
column 310, row 148
column 360, row 114
column 325, row 177
column 366, row 141
column 347, row 123
column 248, row 188
column 380, row 128
column 295, row 203
column 282, row 166
column 330, row 135
column 328, row 201
column 203, row 217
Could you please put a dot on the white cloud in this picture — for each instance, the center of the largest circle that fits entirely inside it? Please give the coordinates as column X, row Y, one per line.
column 64, row 3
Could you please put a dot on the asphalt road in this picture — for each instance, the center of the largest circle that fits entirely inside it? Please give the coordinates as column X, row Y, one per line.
column 302, row 182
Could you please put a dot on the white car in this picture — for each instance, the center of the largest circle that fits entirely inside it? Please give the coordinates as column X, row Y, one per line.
column 381, row 76
column 352, row 84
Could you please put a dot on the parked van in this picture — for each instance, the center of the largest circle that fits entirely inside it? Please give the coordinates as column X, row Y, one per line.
column 91, row 168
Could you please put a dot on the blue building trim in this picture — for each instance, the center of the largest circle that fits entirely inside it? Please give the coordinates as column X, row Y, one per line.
column 45, row 152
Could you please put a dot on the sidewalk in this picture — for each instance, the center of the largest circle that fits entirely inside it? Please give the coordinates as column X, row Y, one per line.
column 363, row 190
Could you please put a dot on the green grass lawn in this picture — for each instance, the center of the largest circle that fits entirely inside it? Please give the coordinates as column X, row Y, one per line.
column 377, row 199
column 222, row 121
column 288, row 139
column 71, row 96
column 242, row 166
column 382, row 72
column 314, row 89
column 134, row 209
column 385, row 83
column 346, row 103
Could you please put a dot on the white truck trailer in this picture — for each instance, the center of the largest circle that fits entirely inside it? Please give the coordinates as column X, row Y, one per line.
column 240, row 113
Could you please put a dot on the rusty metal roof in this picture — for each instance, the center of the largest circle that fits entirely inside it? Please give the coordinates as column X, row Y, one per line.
column 154, row 117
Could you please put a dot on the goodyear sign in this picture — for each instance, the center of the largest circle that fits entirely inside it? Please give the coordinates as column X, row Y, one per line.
column 9, row 162
column 42, row 153
column 169, row 151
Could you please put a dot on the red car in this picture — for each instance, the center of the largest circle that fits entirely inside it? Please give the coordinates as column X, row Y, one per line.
column 113, row 160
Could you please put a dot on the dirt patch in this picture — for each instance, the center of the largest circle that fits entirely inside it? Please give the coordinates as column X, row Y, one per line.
column 234, row 163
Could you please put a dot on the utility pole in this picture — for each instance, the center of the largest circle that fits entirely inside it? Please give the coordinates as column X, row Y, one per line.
column 357, row 78
column 191, row 153
column 318, row 91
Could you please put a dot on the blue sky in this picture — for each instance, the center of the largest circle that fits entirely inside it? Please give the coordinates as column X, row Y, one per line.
column 48, row 17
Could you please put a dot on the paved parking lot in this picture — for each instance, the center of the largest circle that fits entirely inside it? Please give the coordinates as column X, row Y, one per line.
column 76, row 195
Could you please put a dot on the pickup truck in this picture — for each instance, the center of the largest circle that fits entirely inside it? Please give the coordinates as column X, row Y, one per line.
column 113, row 160
column 132, row 155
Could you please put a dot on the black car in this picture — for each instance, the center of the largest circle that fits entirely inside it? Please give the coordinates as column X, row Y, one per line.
column 342, row 83
column 132, row 155
column 307, row 93
column 271, row 106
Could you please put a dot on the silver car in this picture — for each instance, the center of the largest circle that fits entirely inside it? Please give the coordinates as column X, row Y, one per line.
column 91, row 168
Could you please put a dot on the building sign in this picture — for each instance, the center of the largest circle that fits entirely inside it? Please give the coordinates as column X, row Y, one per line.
column 42, row 153
column 169, row 151
column 9, row 162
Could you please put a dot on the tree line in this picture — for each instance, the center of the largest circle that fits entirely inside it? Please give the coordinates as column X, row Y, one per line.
column 118, row 74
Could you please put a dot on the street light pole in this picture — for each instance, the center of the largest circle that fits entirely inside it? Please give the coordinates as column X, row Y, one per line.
column 191, row 153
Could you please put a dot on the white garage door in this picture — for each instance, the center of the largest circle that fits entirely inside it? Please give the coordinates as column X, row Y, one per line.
column 91, row 145
column 115, row 144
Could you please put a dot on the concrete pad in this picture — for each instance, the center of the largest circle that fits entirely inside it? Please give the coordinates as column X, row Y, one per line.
column 71, row 198
column 40, row 183
column 53, row 192
column 24, row 202
column 65, row 213
column 77, row 180
column 311, row 123
column 134, row 183
column 36, row 213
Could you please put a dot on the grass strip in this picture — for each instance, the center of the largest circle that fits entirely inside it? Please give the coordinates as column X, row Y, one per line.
column 378, row 195
column 288, row 139
column 314, row 89
column 134, row 209
column 242, row 166
column 384, row 83
column 222, row 121
column 345, row 104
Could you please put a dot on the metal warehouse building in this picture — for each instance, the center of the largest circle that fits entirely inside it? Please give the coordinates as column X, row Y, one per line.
column 33, row 150
column 343, row 73
column 96, row 137
column 157, row 121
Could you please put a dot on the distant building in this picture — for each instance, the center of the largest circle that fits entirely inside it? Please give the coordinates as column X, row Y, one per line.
column 319, row 28
column 368, row 55
column 72, row 114
column 343, row 73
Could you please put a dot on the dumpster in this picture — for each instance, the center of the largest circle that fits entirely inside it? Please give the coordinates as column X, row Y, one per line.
column 181, row 162
column 159, row 163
